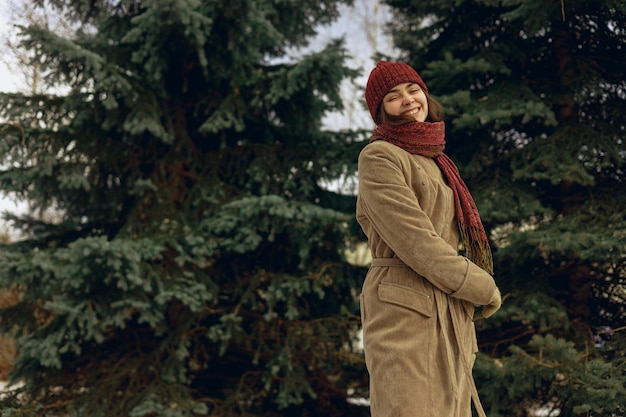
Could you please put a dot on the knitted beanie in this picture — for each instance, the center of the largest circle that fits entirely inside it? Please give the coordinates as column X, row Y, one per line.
column 383, row 78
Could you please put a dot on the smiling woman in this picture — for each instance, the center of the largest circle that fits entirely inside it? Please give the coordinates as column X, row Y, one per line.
column 418, row 298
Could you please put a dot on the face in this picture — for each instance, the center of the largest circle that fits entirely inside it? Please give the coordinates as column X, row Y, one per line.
column 406, row 100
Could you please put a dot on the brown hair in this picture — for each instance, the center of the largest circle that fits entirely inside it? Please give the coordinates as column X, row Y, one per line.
column 435, row 113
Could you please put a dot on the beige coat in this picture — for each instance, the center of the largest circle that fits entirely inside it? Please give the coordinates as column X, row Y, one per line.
column 417, row 301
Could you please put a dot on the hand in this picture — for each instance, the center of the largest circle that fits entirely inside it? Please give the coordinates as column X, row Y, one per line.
column 494, row 305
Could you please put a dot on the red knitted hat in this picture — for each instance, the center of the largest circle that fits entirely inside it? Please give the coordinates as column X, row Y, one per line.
column 383, row 78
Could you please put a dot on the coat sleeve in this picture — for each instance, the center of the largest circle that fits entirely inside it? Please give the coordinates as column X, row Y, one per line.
column 395, row 214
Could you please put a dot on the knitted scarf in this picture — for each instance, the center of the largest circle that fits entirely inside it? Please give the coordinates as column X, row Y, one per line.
column 427, row 139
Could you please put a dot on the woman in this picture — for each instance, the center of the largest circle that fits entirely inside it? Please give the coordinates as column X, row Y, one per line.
column 418, row 298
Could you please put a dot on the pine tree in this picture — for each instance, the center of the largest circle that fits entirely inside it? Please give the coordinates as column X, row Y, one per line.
column 197, row 265
column 535, row 97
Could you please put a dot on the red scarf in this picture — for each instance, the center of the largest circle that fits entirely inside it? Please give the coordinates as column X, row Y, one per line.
column 427, row 139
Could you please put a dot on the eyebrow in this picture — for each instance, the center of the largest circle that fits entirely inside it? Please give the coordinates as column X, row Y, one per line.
column 395, row 90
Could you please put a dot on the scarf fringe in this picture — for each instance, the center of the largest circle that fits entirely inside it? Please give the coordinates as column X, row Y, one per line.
column 478, row 252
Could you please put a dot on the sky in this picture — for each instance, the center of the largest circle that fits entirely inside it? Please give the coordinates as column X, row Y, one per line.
column 8, row 82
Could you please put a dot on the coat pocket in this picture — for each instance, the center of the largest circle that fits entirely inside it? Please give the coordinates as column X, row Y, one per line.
column 406, row 297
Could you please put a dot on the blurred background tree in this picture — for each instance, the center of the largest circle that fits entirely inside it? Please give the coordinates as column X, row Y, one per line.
column 7, row 299
column 195, row 265
column 535, row 94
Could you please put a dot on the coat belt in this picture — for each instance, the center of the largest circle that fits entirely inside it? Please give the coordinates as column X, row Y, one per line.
column 388, row 262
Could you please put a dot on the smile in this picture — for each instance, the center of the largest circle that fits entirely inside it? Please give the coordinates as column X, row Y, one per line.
column 412, row 112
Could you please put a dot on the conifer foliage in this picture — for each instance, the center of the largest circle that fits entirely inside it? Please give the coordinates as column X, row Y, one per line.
column 535, row 96
column 195, row 265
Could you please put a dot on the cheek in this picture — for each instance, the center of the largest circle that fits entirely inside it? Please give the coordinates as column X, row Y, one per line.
column 391, row 108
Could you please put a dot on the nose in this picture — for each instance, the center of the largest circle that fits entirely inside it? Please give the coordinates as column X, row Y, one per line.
column 408, row 99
